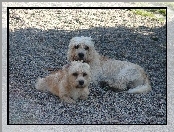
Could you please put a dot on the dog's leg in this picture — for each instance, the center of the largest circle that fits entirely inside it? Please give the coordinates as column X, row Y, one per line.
column 125, row 78
column 135, row 78
column 67, row 99
column 118, row 84
column 41, row 84
column 84, row 94
column 141, row 88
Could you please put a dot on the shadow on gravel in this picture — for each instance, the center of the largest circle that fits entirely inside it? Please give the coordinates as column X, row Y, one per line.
column 32, row 50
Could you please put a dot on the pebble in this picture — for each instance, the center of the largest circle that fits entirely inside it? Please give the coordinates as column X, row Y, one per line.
column 39, row 39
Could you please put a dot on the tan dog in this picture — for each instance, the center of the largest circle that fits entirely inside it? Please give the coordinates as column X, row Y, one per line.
column 117, row 74
column 70, row 83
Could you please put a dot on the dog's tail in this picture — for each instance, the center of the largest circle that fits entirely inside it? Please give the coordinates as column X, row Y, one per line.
column 41, row 84
column 146, row 87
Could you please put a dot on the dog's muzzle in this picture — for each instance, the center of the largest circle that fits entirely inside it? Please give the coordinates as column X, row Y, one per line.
column 81, row 84
column 81, row 55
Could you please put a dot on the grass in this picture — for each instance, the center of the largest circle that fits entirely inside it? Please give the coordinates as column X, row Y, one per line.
column 142, row 13
column 158, row 11
column 150, row 13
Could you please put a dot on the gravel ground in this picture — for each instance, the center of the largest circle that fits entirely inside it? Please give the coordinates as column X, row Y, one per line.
column 39, row 39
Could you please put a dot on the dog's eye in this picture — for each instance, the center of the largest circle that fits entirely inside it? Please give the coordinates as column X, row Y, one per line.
column 76, row 47
column 84, row 74
column 75, row 74
column 86, row 48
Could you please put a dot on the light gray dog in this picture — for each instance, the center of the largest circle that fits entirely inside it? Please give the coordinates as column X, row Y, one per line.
column 117, row 74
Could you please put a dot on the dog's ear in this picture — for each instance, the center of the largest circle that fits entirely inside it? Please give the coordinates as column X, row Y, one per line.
column 69, row 53
column 91, row 39
column 67, row 66
column 70, row 56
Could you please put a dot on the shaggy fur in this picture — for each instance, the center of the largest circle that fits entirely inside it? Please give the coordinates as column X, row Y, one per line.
column 70, row 83
column 117, row 74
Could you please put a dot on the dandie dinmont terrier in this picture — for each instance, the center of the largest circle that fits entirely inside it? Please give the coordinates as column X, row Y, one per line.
column 119, row 75
column 68, row 84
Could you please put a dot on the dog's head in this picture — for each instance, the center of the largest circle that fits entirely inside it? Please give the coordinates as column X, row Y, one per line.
column 81, row 48
column 79, row 75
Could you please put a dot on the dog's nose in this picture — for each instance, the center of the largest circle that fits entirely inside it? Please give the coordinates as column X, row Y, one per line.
column 81, row 82
column 81, row 55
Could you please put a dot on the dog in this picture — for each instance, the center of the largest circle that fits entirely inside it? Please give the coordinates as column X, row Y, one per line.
column 69, row 83
column 119, row 75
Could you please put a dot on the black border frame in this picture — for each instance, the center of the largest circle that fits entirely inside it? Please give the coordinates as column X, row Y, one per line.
column 75, row 8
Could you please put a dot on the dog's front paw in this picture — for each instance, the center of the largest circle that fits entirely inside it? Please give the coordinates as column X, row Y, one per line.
column 84, row 94
column 71, row 101
column 84, row 97
column 68, row 100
